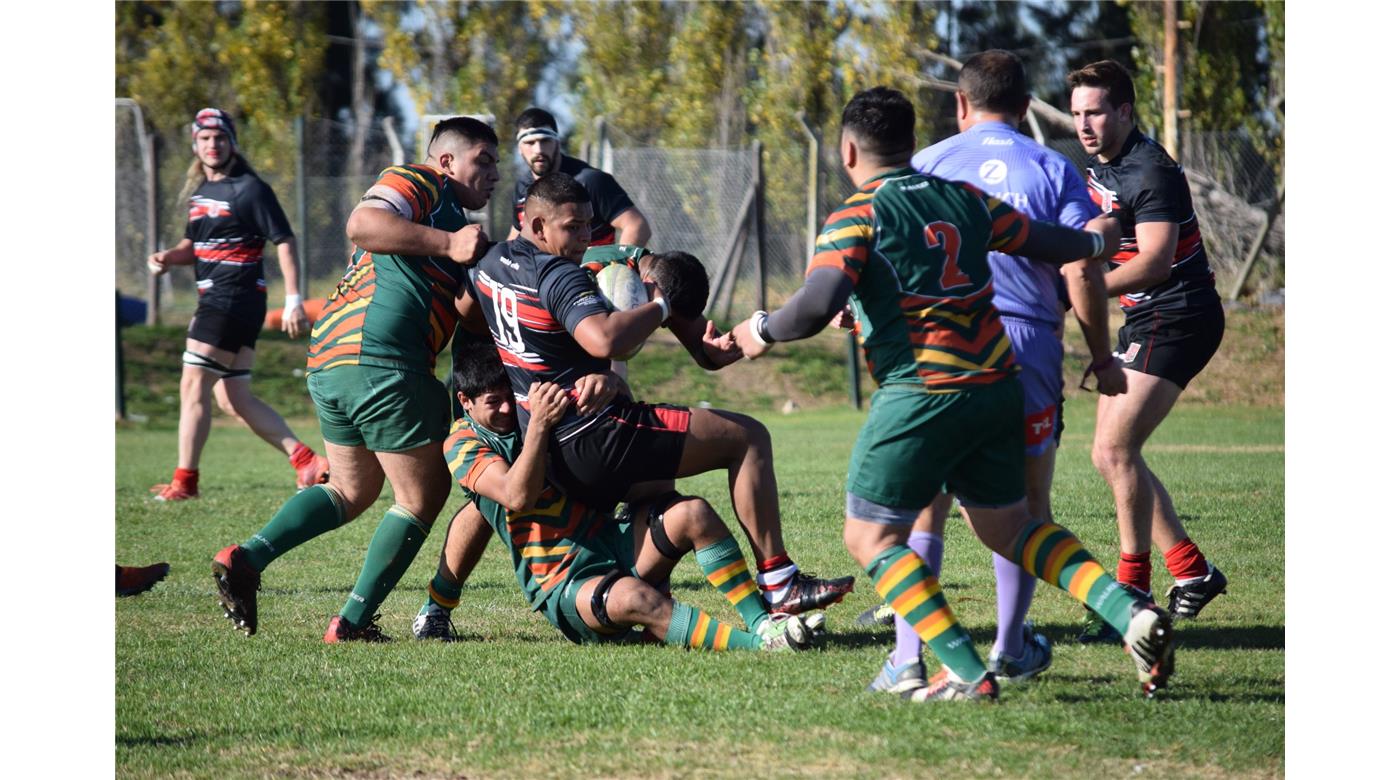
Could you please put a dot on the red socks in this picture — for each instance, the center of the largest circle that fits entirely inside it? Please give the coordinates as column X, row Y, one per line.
column 187, row 477
column 301, row 456
column 1184, row 560
column 1136, row 569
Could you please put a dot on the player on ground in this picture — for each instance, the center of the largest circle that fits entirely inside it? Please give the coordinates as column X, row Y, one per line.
column 233, row 214
column 949, row 408
column 383, row 413
column 551, row 324
column 1174, row 323
column 616, row 220
column 592, row 578
column 988, row 152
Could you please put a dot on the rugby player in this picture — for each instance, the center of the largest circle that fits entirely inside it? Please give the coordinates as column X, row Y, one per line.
column 616, row 220
column 233, row 213
column 382, row 411
column 1173, row 324
column 948, row 411
column 551, row 324
column 592, row 578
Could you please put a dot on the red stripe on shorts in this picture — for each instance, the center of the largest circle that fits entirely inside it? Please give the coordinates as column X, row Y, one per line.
column 1040, row 426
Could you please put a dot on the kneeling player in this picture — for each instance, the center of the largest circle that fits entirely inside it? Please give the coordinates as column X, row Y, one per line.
column 592, row 578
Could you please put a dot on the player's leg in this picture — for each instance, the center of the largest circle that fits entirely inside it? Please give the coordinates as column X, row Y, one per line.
column 467, row 536
column 203, row 365
column 235, row 396
column 904, row 669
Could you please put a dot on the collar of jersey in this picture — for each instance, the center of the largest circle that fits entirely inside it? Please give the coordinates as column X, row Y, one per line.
column 993, row 126
column 1134, row 138
column 873, row 181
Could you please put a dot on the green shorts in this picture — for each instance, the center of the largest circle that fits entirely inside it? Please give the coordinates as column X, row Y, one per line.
column 381, row 409
column 609, row 549
column 915, row 443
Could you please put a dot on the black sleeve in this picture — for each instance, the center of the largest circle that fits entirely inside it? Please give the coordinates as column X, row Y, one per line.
column 258, row 206
column 609, row 199
column 1160, row 196
column 823, row 294
column 1053, row 243
column 569, row 294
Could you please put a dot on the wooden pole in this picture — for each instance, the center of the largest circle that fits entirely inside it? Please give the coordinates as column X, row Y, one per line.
column 1254, row 249
column 152, row 229
column 1169, row 89
column 758, row 232
column 303, row 238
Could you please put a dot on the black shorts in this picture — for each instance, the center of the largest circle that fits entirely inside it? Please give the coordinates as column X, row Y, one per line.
column 229, row 330
column 1174, row 344
column 631, row 443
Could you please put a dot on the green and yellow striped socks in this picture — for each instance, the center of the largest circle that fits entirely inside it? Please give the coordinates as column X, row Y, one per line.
column 1053, row 554
column 693, row 628
column 906, row 583
column 442, row 593
column 724, row 567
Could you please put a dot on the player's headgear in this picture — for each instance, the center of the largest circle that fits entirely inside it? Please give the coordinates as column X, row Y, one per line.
column 214, row 119
column 534, row 123
column 883, row 121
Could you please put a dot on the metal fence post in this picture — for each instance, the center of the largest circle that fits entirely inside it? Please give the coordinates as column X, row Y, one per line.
column 152, row 228
column 303, row 236
column 759, row 196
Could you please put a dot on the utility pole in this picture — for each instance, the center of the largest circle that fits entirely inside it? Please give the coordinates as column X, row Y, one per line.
column 1169, row 129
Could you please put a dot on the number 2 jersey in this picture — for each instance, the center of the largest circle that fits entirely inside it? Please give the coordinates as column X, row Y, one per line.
column 395, row 311
column 915, row 247
column 230, row 221
column 1144, row 184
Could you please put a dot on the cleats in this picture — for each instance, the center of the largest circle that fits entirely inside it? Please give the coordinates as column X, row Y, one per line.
column 1149, row 643
column 878, row 615
column 806, row 593
column 945, row 686
column 1034, row 658
column 340, row 631
column 237, row 582
column 132, row 580
column 1186, row 599
column 317, row 471
column 781, row 633
column 815, row 622
column 177, row 490
column 435, row 624
column 900, row 680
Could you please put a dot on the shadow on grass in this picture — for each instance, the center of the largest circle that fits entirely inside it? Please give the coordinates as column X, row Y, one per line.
column 1188, row 635
column 160, row 740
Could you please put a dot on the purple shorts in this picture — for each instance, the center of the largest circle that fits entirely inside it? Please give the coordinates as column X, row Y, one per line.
column 1041, row 356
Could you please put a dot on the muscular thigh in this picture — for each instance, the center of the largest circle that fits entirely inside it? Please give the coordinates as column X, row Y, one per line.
column 1127, row 420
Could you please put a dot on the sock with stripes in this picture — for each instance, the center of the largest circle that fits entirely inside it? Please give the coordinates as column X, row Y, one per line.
column 304, row 517
column 908, row 645
column 908, row 585
column 693, row 628
column 1052, row 553
column 1185, row 561
column 775, row 577
column 395, row 543
column 443, row 593
column 724, row 567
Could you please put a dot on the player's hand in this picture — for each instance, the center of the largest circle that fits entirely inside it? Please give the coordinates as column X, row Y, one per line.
column 466, row 246
column 720, row 349
column 747, row 343
column 1112, row 379
column 1108, row 226
column 156, row 263
column 844, row 319
column 294, row 321
column 593, row 392
column 548, row 404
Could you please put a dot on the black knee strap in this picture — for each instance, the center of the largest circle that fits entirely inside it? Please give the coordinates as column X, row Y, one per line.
column 210, row 364
column 599, row 601
column 657, row 527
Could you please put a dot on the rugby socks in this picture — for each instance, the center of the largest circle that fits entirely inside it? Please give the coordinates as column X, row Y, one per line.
column 908, row 585
column 724, row 567
column 395, row 544
column 775, row 577
column 1136, row 569
column 1185, row 561
column 1015, row 589
column 693, row 628
column 305, row 516
column 301, row 456
column 443, row 593
column 1053, row 554
column 908, row 645
column 186, row 478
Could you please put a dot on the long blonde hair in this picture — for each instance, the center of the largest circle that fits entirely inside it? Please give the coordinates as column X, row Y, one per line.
column 194, row 176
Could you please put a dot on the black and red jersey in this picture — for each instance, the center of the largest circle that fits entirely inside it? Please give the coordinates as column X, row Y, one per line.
column 1144, row 184
column 606, row 195
column 533, row 300
column 230, row 221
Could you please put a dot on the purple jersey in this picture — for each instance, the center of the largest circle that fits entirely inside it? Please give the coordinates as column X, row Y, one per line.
column 1038, row 181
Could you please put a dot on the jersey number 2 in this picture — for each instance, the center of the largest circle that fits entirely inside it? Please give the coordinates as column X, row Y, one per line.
column 945, row 235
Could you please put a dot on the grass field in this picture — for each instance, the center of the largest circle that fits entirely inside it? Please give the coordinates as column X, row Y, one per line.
column 196, row 699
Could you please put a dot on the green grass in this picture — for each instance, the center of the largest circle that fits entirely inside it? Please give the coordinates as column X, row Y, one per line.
column 196, row 699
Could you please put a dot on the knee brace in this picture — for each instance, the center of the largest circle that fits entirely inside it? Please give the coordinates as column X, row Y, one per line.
column 599, row 602
column 656, row 526
column 210, row 364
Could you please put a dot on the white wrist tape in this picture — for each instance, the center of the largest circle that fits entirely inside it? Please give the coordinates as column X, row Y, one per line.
column 756, row 326
column 1098, row 243
column 289, row 303
column 665, row 306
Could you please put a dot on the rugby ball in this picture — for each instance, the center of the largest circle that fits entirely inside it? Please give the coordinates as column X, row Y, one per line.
column 622, row 288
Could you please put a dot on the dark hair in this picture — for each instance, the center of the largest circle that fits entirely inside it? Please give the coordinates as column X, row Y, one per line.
column 994, row 80
column 683, row 280
column 557, row 189
column 476, row 366
column 535, row 117
column 882, row 120
column 472, row 131
column 1109, row 75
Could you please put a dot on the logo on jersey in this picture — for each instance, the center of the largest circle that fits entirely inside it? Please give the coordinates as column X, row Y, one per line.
column 201, row 207
column 992, row 171
column 1103, row 197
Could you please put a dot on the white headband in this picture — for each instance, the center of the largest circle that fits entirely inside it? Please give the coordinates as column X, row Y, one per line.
column 532, row 133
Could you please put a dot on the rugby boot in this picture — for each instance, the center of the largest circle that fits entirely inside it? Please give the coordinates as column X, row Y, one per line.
column 945, row 686
column 1150, row 644
column 340, row 631
column 1186, row 599
column 435, row 623
column 815, row 622
column 176, row 490
column 780, row 633
column 1034, row 658
column 238, row 582
column 806, row 593
column 132, row 580
column 315, row 471
column 878, row 615
column 899, row 680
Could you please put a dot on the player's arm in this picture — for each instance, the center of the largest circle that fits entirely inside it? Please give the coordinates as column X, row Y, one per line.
column 1153, row 264
column 389, row 217
column 516, row 486
column 632, row 227
column 710, row 349
column 294, row 320
column 469, row 311
column 180, row 254
column 593, row 392
column 1084, row 281
column 618, row 333
column 1015, row 233
column 612, row 203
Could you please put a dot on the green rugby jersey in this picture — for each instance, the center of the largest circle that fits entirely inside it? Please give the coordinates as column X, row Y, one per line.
column 395, row 311
column 544, row 540
column 915, row 247
column 596, row 258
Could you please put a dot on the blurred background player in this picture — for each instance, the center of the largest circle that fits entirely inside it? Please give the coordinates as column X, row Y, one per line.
column 948, row 411
column 1173, row 324
column 616, row 220
column 383, row 412
column 233, row 214
column 988, row 152
column 551, row 324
